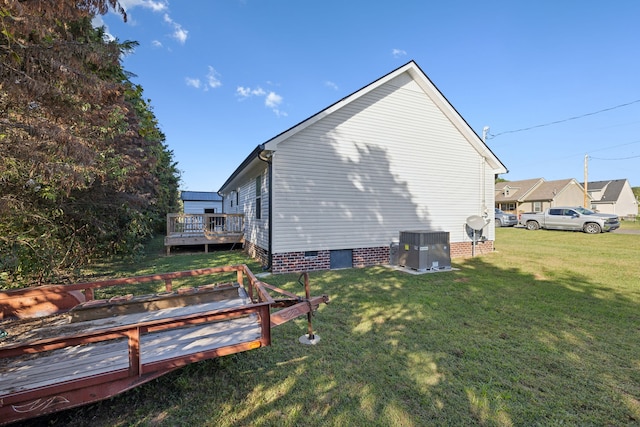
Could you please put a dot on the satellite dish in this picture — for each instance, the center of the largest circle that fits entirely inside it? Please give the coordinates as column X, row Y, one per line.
column 476, row 222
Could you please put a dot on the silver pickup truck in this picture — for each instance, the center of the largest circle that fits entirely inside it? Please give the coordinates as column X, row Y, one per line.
column 570, row 218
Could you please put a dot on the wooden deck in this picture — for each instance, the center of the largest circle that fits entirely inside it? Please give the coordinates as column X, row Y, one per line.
column 64, row 354
column 203, row 229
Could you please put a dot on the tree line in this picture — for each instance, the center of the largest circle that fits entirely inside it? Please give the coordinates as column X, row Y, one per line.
column 85, row 171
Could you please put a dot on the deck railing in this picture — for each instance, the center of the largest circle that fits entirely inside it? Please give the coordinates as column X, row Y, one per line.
column 186, row 225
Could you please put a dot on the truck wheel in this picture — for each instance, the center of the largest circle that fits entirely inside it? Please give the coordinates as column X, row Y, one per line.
column 532, row 225
column 498, row 223
column 592, row 228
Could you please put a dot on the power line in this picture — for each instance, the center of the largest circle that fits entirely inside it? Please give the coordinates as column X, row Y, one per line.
column 619, row 158
column 491, row 136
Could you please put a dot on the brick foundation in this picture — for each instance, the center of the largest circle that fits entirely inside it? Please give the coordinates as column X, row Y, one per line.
column 288, row 262
column 465, row 249
column 366, row 257
column 321, row 260
column 297, row 261
column 256, row 252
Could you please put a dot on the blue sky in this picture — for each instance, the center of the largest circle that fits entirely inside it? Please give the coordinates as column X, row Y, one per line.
column 226, row 75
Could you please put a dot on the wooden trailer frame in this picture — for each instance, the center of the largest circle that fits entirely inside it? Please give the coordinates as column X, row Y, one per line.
column 95, row 349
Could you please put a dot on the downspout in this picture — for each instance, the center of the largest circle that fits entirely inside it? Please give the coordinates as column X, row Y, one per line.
column 267, row 158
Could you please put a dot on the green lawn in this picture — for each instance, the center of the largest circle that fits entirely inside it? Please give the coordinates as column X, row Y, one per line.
column 545, row 331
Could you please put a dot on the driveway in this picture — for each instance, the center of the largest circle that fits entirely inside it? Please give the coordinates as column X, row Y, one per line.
column 620, row 231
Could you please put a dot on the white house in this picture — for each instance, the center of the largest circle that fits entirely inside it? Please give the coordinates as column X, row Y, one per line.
column 200, row 202
column 393, row 156
column 614, row 197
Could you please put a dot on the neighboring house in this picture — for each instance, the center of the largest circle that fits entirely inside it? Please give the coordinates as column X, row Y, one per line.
column 510, row 195
column 563, row 192
column 337, row 188
column 200, row 202
column 614, row 197
column 536, row 195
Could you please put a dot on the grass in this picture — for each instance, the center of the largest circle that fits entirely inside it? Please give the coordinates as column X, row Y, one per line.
column 545, row 331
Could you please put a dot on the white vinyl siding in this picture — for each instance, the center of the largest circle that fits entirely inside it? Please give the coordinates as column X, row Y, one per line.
column 626, row 204
column 198, row 207
column 389, row 161
column 256, row 230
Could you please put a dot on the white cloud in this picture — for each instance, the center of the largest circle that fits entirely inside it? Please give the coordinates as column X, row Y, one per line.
column 98, row 22
column 271, row 99
column 280, row 113
column 332, row 85
column 193, row 82
column 156, row 6
column 156, row 43
column 397, row 53
column 243, row 92
column 179, row 33
column 212, row 78
column 247, row 92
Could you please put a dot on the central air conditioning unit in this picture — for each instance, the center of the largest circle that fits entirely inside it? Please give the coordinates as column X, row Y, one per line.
column 424, row 250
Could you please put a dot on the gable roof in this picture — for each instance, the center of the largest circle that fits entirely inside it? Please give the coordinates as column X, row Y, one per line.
column 414, row 71
column 549, row 189
column 200, row 196
column 429, row 89
column 518, row 190
column 612, row 189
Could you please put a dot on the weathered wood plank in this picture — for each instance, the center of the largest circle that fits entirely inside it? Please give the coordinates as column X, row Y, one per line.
column 185, row 341
column 81, row 361
column 146, row 303
column 76, row 362
column 62, row 326
column 70, row 363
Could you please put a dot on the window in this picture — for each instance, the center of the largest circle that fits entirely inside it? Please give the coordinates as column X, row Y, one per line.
column 555, row 211
column 259, row 197
column 311, row 254
column 512, row 207
column 235, row 198
column 537, row 206
column 209, row 210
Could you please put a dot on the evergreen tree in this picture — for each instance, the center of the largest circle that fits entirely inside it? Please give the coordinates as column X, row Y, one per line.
column 84, row 169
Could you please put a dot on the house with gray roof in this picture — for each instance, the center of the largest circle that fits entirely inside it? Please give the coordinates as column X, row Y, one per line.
column 614, row 197
column 562, row 192
column 201, row 202
column 510, row 195
column 536, row 195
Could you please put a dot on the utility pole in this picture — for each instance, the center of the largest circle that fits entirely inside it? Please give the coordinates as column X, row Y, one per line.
column 485, row 131
column 586, row 180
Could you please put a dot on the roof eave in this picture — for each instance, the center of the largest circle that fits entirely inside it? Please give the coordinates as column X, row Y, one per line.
column 253, row 156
